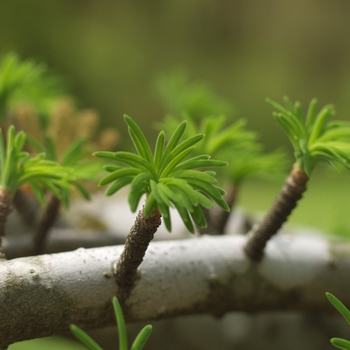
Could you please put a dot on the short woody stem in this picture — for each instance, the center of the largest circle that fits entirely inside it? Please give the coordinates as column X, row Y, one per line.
column 26, row 207
column 6, row 199
column 134, row 251
column 222, row 218
column 284, row 204
column 47, row 221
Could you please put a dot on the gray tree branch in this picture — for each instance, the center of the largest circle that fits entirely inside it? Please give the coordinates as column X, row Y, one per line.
column 42, row 295
column 60, row 240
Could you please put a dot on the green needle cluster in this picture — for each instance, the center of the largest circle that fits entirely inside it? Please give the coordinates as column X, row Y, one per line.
column 27, row 81
column 168, row 177
column 205, row 113
column 314, row 137
column 234, row 143
column 18, row 167
column 218, row 135
column 75, row 160
column 179, row 94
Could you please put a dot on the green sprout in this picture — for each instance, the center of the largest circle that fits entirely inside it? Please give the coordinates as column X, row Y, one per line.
column 168, row 178
column 18, row 167
column 68, row 138
column 314, row 139
column 75, row 160
column 29, row 95
column 205, row 114
column 26, row 81
column 219, row 136
column 339, row 342
column 179, row 96
column 138, row 343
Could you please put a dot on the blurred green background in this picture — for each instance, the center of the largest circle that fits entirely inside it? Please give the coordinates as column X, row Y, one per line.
column 111, row 52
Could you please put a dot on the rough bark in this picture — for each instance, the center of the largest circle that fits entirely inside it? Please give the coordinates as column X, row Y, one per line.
column 46, row 222
column 42, row 295
column 137, row 241
column 5, row 209
column 284, row 204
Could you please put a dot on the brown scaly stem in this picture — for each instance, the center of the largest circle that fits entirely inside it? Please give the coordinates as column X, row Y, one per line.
column 6, row 199
column 26, row 207
column 208, row 218
column 47, row 221
column 221, row 219
column 134, row 251
column 285, row 202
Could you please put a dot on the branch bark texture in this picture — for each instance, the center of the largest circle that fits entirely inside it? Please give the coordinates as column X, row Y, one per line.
column 6, row 199
column 286, row 201
column 137, row 241
column 42, row 295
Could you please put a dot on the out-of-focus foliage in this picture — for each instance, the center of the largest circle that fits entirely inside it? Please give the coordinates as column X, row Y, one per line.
column 52, row 343
column 224, row 138
column 18, row 167
column 233, row 143
column 111, row 52
column 179, row 95
column 66, row 125
column 69, row 138
column 33, row 101
column 27, row 82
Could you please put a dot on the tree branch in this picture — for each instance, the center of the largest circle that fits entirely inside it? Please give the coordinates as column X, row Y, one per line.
column 60, row 240
column 42, row 295
column 292, row 191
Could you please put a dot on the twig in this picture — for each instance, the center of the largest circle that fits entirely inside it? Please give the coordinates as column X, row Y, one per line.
column 134, row 251
column 222, row 217
column 47, row 221
column 285, row 202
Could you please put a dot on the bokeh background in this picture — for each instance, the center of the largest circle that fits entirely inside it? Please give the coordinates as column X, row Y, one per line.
column 111, row 52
